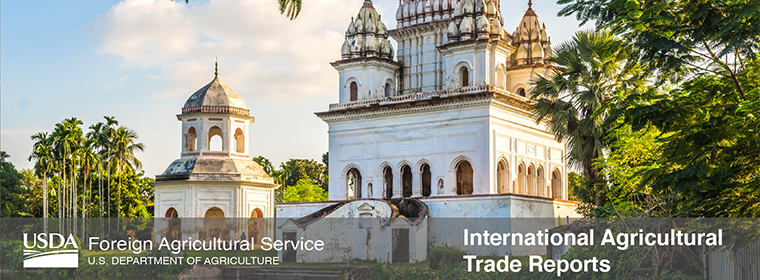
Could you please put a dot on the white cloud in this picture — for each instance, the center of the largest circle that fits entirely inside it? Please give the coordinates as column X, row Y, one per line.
column 261, row 53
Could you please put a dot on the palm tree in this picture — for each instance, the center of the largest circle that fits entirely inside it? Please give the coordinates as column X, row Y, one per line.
column 123, row 151
column 75, row 141
column 42, row 154
column 591, row 71
column 290, row 8
column 109, row 132
column 88, row 159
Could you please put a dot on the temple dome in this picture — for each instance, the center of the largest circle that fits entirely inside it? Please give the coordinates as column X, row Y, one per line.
column 361, row 34
column 215, row 94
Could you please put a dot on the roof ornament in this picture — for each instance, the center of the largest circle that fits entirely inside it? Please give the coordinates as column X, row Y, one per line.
column 216, row 67
column 530, row 4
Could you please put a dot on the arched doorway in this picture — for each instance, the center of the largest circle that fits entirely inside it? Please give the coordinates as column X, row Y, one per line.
column 540, row 181
column 256, row 226
column 215, row 139
column 174, row 228
column 388, row 182
column 214, row 225
column 464, row 75
column 531, row 180
column 464, row 178
column 556, row 185
column 502, row 177
column 354, row 183
column 426, row 180
column 406, row 181
column 521, row 179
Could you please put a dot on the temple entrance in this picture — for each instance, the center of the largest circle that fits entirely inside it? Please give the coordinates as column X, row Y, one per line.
column 289, row 254
column 174, row 228
column 214, row 225
column 256, row 226
column 400, row 251
column 464, row 178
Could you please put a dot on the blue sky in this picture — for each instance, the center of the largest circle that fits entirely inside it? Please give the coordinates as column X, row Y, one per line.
column 139, row 60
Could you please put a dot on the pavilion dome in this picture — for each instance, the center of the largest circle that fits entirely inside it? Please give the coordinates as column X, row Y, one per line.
column 215, row 93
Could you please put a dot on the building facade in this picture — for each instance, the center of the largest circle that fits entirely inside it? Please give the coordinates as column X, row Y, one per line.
column 450, row 115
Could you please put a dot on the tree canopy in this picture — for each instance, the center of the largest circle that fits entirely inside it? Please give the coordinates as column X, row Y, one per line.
column 704, row 104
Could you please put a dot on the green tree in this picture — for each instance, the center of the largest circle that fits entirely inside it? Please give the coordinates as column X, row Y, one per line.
column 123, row 151
column 103, row 134
column 44, row 163
column 12, row 195
column 299, row 169
column 708, row 51
column 33, row 202
column 89, row 160
column 591, row 71
column 304, row 190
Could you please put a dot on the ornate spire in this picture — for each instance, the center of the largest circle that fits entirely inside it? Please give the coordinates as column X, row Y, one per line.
column 530, row 4
column 216, row 67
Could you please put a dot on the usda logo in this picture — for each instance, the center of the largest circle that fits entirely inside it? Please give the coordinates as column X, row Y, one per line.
column 59, row 252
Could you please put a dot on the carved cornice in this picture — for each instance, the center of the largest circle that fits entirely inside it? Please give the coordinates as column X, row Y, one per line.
column 486, row 96
column 365, row 61
column 468, row 45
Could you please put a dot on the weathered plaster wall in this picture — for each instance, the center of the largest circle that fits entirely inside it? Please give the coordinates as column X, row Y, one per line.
column 441, row 139
column 361, row 229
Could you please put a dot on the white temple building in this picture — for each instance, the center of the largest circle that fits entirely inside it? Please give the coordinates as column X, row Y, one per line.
column 446, row 120
column 450, row 116
column 214, row 176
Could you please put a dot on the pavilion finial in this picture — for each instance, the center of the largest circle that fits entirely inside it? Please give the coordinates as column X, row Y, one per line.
column 216, row 67
column 530, row 4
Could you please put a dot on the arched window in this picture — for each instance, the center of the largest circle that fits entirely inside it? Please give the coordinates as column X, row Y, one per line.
column 388, row 184
column 540, row 182
column 521, row 179
column 531, row 180
column 521, row 92
column 171, row 213
column 215, row 139
column 502, row 177
column 406, row 181
column 191, row 139
column 556, row 185
column 464, row 76
column 464, row 178
column 239, row 141
column 426, row 180
column 388, row 90
column 500, row 78
column 354, row 92
column 354, row 183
